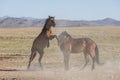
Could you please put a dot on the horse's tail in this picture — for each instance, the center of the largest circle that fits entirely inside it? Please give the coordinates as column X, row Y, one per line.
column 97, row 55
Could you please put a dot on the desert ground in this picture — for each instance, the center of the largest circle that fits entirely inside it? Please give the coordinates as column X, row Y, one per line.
column 15, row 48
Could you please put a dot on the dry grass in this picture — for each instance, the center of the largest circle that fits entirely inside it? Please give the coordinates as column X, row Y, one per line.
column 15, row 45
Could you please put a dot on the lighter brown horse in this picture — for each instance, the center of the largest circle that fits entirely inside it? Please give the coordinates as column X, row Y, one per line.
column 42, row 41
column 70, row 45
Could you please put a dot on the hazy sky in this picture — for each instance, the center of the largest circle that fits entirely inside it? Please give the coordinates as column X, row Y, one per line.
column 61, row 9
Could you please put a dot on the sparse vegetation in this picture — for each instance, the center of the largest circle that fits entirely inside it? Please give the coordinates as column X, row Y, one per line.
column 19, row 41
column 15, row 46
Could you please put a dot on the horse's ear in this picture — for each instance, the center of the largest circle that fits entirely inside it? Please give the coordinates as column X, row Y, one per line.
column 49, row 16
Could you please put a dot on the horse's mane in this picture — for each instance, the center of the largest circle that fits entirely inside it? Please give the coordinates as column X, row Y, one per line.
column 64, row 36
column 68, row 35
column 46, row 26
column 46, row 23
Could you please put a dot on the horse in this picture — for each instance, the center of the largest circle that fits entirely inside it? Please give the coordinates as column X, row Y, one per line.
column 42, row 40
column 70, row 45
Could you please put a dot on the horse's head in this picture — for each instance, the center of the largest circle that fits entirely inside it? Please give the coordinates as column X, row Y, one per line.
column 50, row 22
column 64, row 37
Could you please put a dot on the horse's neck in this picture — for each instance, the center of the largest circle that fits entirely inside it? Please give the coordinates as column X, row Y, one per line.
column 71, row 39
column 44, row 31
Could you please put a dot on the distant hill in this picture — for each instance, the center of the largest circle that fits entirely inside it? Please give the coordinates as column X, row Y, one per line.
column 11, row 22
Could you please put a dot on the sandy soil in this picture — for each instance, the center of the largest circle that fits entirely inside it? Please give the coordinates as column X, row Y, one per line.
column 14, row 56
column 14, row 67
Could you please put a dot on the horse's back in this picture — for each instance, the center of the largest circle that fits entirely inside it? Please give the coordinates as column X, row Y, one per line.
column 78, row 45
column 89, row 41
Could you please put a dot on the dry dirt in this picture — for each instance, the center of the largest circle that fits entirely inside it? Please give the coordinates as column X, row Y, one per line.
column 14, row 66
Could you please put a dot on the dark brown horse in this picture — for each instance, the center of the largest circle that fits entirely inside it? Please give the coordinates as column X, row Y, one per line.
column 70, row 45
column 42, row 41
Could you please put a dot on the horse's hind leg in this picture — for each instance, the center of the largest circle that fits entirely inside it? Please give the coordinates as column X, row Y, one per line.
column 86, row 59
column 93, row 61
column 40, row 58
column 32, row 56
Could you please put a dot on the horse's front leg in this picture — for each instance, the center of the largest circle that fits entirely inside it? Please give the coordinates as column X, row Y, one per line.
column 52, row 37
column 66, row 60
